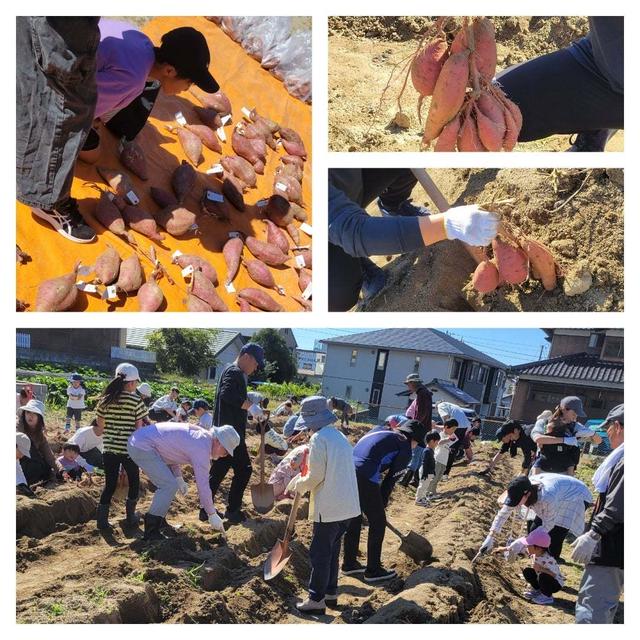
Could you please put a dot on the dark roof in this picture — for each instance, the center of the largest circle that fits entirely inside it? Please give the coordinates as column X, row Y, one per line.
column 421, row 340
column 577, row 367
column 453, row 390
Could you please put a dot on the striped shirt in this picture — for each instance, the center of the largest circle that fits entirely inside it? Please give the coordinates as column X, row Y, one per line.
column 120, row 419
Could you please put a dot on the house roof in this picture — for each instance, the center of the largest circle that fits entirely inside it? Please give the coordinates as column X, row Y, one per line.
column 450, row 388
column 580, row 368
column 420, row 340
column 138, row 339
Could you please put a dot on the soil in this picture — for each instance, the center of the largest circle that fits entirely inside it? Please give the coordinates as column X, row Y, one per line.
column 576, row 213
column 364, row 50
column 76, row 574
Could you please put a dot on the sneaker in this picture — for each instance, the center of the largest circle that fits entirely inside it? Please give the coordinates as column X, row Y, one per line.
column 591, row 140
column 331, row 599
column 373, row 279
column 405, row 209
column 235, row 517
column 67, row 221
column 202, row 516
column 542, row 599
column 67, row 428
column 24, row 490
column 531, row 593
column 311, row 606
column 423, row 502
column 379, row 575
column 352, row 569
column 445, row 478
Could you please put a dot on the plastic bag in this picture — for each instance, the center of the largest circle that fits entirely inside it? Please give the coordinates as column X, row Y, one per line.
column 234, row 26
column 271, row 31
column 295, row 67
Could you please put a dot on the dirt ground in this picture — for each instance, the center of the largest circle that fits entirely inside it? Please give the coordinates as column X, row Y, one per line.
column 363, row 51
column 68, row 572
column 577, row 213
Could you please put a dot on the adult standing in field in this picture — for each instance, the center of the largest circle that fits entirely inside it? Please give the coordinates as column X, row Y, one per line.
column 355, row 236
column 161, row 449
column 165, row 407
column 601, row 548
column 119, row 412
column 55, row 101
column 231, row 405
column 341, row 405
column 513, row 436
column 331, row 479
column 420, row 410
column 131, row 72
column 380, row 458
column 577, row 90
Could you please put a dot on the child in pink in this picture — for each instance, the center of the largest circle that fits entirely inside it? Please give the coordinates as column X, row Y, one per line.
column 290, row 466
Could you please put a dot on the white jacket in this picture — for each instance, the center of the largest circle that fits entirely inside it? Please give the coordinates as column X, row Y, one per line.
column 331, row 478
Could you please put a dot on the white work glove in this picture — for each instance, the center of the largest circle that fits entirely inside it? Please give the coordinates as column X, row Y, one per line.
column 183, row 487
column 291, row 487
column 487, row 545
column 254, row 397
column 256, row 412
column 216, row 522
column 471, row 225
column 584, row 546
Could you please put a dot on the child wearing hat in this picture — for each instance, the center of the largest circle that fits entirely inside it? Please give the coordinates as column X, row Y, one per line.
column 543, row 576
column 76, row 393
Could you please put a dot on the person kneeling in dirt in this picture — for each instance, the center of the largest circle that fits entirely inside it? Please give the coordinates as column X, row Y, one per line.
column 91, row 444
column 294, row 463
column 165, row 407
column 513, row 436
column 558, row 501
column 182, row 413
column 161, row 449
column 465, row 438
column 72, row 463
column 380, row 459
column 23, row 447
column 544, row 576
column 354, row 235
column 201, row 412
column 331, row 479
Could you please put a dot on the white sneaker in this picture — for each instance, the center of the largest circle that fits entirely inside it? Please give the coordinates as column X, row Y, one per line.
column 311, row 606
column 423, row 502
column 542, row 599
column 531, row 593
column 445, row 478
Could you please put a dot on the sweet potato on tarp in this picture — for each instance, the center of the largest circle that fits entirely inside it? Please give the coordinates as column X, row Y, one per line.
column 208, row 138
column 268, row 253
column 512, row 262
column 232, row 191
column 132, row 157
column 107, row 266
column 191, row 145
column 208, row 270
column 485, row 278
column 58, row 294
column 108, row 215
column 304, row 279
column 260, row 299
column 240, row 168
column 217, row 101
column 209, row 117
column 260, row 273
column 183, row 181
column 279, row 210
column 203, row 288
column 131, row 275
column 292, row 142
column 232, row 252
column 150, row 296
column 176, row 220
column 162, row 198
column 193, row 303
column 142, row 222
column 543, row 264
column 276, row 237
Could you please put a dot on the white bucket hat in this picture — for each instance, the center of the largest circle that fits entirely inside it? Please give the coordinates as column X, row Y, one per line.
column 145, row 389
column 33, row 406
column 227, row 436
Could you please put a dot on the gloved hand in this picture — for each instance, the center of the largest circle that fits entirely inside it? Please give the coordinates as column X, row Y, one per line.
column 183, row 487
column 291, row 487
column 216, row 522
column 256, row 412
column 487, row 545
column 254, row 397
column 584, row 546
column 471, row 225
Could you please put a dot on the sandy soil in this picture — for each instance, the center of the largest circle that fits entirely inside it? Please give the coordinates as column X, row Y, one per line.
column 583, row 230
column 68, row 572
column 364, row 50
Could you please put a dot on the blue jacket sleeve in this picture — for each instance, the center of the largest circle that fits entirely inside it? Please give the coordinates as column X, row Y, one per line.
column 360, row 235
column 396, row 469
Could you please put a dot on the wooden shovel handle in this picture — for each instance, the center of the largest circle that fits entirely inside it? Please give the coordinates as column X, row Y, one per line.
column 291, row 520
column 261, row 426
column 392, row 528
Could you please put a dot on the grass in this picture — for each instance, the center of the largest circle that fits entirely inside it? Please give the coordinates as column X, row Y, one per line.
column 55, row 609
column 99, row 594
column 193, row 575
column 137, row 576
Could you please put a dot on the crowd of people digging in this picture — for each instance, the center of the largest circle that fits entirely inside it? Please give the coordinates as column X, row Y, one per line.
column 347, row 483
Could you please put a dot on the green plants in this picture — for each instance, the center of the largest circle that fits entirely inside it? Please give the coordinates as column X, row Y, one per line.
column 193, row 575
column 55, row 609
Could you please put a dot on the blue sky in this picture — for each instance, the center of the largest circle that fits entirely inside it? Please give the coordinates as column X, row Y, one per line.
column 511, row 346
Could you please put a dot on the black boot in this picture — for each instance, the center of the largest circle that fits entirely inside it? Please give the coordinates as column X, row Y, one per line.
column 406, row 478
column 168, row 530
column 133, row 519
column 102, row 517
column 415, row 479
column 591, row 140
column 152, row 526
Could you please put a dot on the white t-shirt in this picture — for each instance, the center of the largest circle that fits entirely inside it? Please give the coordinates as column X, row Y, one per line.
column 165, row 403
column 455, row 412
column 86, row 439
column 206, row 420
column 76, row 397
column 20, row 479
column 441, row 453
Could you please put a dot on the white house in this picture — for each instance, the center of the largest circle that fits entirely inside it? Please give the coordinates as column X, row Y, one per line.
column 310, row 363
column 369, row 369
column 287, row 334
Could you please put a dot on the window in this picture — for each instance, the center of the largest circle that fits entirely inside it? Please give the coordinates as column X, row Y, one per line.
column 23, row 340
column 482, row 374
column 354, row 357
column 473, row 372
column 455, row 370
column 613, row 348
column 211, row 373
column 375, row 396
column 382, row 360
column 593, row 340
column 416, row 365
column 499, row 375
column 347, row 392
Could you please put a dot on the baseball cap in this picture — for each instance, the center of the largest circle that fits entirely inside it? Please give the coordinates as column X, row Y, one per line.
column 414, row 430
column 24, row 444
column 145, row 389
column 201, row 404
column 128, row 371
column 617, row 413
column 76, row 377
column 516, row 490
column 413, row 377
column 575, row 404
column 186, row 49
column 227, row 436
column 255, row 350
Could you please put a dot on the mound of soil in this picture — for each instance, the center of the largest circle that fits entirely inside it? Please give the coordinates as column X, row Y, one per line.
column 364, row 51
column 578, row 214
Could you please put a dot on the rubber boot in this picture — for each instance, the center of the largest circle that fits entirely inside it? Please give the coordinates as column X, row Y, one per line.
column 415, row 480
column 408, row 474
column 102, row 517
column 152, row 526
column 133, row 519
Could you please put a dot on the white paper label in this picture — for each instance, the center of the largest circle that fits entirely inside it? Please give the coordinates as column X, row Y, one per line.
column 132, row 198
column 246, row 113
column 221, row 134
column 300, row 262
column 226, row 119
column 187, row 271
column 180, row 119
column 86, row 287
column 306, row 228
column 234, row 234
column 110, row 293
column 281, row 186
column 216, row 168
column 230, row 288
column 84, row 271
column 263, row 202
column 214, row 197
column 176, row 254
column 307, row 292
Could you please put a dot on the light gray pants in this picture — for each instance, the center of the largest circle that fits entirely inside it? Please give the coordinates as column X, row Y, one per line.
column 433, row 485
column 159, row 473
column 599, row 594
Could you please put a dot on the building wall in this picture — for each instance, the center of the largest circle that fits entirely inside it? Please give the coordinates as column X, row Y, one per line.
column 573, row 342
column 227, row 355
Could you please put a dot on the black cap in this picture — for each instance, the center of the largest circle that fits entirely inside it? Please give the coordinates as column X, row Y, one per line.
column 186, row 49
column 414, row 430
column 516, row 490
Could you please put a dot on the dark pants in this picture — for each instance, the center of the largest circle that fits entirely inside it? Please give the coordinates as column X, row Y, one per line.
column 545, row 583
column 55, row 100
column 94, row 457
column 76, row 414
column 372, row 506
column 363, row 186
column 453, row 455
column 557, row 535
column 324, row 554
column 241, row 465
column 160, row 415
column 557, row 94
column 74, row 474
column 112, row 462
column 35, row 468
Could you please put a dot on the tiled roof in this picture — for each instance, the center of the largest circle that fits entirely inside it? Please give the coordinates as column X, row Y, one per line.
column 578, row 367
column 138, row 339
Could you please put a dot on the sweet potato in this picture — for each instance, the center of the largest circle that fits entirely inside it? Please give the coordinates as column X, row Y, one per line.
column 244, row 305
column 219, row 210
column 183, row 181
column 217, row 101
column 241, row 168
column 268, row 253
column 108, row 215
column 306, row 254
column 292, row 142
column 177, row 221
column 279, row 210
column 291, row 170
column 491, row 133
column 298, row 212
column 209, row 117
column 162, row 198
column 292, row 230
column 132, row 157
column 193, row 303
column 448, row 136
column 485, row 51
column 542, row 262
column 142, row 222
column 485, row 277
column 208, row 270
column 448, row 95
column 491, row 107
column 273, row 126
column 511, row 131
column 232, row 251
column 289, row 159
column 208, row 138
column 232, row 190
column 246, row 148
column 260, row 299
column 107, row 266
column 191, row 145
column 304, row 279
column 150, row 296
column 203, row 288
column 259, row 272
column 288, row 187
column 468, row 139
column 512, row 262
column 117, row 180
column 259, row 130
column 276, row 237
column 426, row 65
column 513, row 108
column 131, row 275
column 58, row 294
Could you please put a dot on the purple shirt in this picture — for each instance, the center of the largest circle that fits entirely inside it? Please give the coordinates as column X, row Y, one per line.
column 178, row 444
column 124, row 58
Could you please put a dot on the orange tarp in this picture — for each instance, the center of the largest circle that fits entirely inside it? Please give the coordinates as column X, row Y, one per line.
column 247, row 85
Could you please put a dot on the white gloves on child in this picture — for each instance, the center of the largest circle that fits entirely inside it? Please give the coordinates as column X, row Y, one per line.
column 183, row 487
column 216, row 522
column 584, row 546
column 471, row 225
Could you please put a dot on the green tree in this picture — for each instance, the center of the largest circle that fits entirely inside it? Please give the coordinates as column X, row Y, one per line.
column 281, row 365
column 185, row 351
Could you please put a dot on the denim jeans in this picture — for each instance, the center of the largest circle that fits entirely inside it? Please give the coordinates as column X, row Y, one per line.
column 599, row 594
column 324, row 554
column 55, row 101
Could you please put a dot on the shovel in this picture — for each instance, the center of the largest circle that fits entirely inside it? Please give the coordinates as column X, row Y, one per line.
column 262, row 493
column 417, row 547
column 280, row 554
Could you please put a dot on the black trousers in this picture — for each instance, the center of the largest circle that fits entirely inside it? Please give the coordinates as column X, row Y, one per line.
column 94, row 457
column 372, row 506
column 35, row 468
column 545, row 583
column 112, row 462
column 160, row 415
column 557, row 94
column 557, row 535
column 241, row 465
